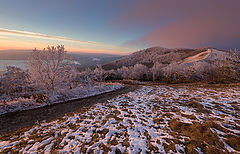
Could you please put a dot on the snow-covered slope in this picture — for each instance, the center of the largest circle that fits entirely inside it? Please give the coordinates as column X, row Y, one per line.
column 152, row 55
column 197, row 57
column 167, row 56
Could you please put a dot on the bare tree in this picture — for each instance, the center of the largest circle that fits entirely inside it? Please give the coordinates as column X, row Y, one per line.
column 49, row 68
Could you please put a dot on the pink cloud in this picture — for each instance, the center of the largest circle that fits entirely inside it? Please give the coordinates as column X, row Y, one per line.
column 194, row 23
column 194, row 31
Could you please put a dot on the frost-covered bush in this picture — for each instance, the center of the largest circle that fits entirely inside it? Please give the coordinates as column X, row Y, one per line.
column 99, row 73
column 82, row 78
column 112, row 75
column 14, row 82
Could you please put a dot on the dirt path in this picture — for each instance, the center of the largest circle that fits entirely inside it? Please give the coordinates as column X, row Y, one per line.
column 13, row 121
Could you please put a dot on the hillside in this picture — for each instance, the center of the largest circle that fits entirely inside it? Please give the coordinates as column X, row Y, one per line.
column 164, row 56
column 88, row 60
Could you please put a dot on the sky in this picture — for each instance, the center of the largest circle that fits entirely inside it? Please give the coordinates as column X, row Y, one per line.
column 119, row 27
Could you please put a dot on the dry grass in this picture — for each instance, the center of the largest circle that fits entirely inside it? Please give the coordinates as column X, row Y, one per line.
column 149, row 120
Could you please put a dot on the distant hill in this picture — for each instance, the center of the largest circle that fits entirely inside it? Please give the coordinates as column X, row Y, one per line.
column 177, row 66
column 82, row 60
column 88, row 60
column 14, row 54
column 165, row 56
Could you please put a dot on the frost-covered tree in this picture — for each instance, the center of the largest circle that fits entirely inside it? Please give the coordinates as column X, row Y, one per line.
column 139, row 72
column 157, row 71
column 49, row 68
column 125, row 72
column 99, row 73
column 226, row 69
column 169, row 70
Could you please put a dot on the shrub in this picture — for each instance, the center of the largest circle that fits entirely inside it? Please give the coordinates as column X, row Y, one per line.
column 14, row 81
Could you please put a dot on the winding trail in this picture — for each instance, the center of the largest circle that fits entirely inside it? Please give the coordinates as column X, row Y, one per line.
column 12, row 121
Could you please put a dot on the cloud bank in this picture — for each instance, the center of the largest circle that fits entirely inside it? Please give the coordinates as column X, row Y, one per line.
column 185, row 23
column 43, row 36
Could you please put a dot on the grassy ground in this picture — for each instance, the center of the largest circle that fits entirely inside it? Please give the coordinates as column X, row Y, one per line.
column 13, row 121
column 154, row 118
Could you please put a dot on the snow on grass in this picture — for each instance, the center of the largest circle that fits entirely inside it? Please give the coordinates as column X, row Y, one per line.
column 62, row 95
column 18, row 104
column 151, row 119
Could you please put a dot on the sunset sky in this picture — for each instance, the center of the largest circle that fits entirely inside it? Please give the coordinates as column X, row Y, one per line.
column 119, row 27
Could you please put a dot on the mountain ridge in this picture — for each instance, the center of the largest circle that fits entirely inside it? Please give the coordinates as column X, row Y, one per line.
column 152, row 55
